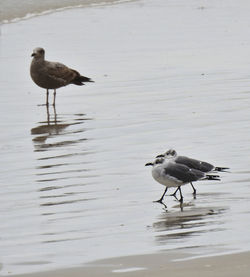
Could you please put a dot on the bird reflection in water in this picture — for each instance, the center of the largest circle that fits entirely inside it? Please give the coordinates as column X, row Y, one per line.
column 53, row 127
column 62, row 168
column 191, row 222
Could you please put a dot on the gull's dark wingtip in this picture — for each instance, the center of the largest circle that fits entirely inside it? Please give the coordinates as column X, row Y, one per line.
column 213, row 177
column 221, row 169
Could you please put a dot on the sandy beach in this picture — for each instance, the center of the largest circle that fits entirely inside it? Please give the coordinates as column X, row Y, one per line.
column 160, row 265
column 76, row 198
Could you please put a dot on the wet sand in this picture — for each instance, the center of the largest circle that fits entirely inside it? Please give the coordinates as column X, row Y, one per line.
column 159, row 265
column 74, row 188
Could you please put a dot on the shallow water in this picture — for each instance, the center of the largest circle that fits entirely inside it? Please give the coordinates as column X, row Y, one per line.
column 73, row 184
column 15, row 10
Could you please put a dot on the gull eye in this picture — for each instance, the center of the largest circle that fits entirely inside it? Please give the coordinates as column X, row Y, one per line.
column 41, row 51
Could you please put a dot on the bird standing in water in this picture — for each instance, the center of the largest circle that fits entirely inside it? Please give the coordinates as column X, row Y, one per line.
column 53, row 75
column 171, row 155
column 172, row 174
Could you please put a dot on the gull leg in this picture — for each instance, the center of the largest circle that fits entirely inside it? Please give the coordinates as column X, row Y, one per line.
column 181, row 199
column 54, row 102
column 47, row 98
column 174, row 194
column 48, row 114
column 55, row 119
column 194, row 193
column 160, row 200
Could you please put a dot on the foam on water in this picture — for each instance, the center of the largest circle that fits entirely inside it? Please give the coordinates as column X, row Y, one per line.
column 15, row 10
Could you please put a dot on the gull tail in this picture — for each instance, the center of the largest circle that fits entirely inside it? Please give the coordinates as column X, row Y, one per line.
column 84, row 79
column 80, row 80
column 221, row 169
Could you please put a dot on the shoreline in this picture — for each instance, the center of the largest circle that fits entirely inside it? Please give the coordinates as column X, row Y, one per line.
column 158, row 265
column 26, row 12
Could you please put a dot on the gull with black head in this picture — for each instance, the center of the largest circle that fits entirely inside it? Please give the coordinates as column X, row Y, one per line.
column 172, row 174
column 171, row 155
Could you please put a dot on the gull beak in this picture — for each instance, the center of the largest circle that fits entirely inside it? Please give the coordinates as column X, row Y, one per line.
column 160, row 156
column 147, row 164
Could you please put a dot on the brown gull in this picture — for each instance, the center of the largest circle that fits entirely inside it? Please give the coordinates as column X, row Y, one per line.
column 53, row 75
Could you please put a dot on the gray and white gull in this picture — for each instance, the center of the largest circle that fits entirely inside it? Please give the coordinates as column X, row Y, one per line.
column 53, row 75
column 172, row 174
column 171, row 155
